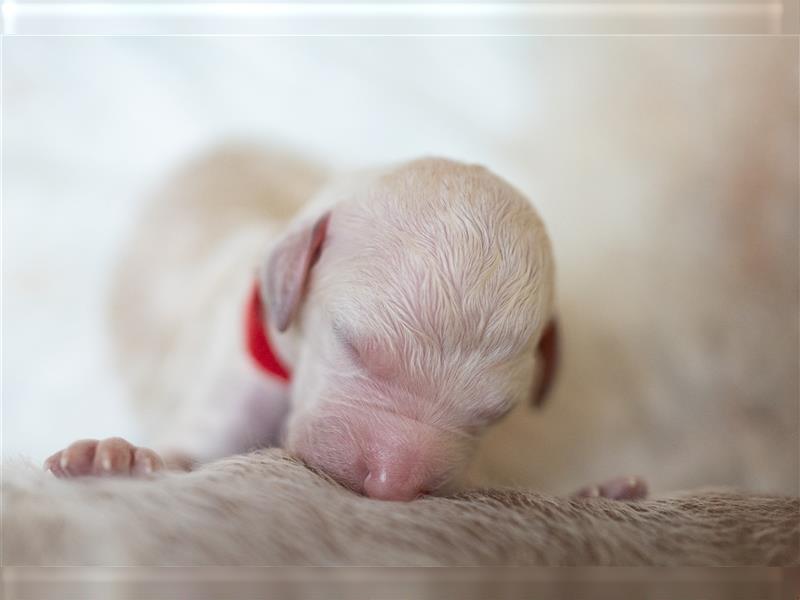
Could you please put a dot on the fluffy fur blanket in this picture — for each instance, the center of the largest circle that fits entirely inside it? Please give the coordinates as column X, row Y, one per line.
column 266, row 509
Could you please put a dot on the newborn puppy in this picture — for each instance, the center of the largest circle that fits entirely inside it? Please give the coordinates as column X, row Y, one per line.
column 400, row 315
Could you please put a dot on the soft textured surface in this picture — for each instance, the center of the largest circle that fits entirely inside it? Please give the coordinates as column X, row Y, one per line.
column 266, row 509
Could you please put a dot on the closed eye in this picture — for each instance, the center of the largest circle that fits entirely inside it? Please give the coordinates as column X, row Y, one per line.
column 376, row 359
column 345, row 339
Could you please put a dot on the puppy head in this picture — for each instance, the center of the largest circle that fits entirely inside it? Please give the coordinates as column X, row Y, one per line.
column 418, row 314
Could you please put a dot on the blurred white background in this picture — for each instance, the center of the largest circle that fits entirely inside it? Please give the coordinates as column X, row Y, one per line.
column 612, row 138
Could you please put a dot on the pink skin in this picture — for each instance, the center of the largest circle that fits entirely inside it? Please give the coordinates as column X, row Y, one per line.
column 378, row 430
column 381, row 455
column 619, row 488
column 112, row 456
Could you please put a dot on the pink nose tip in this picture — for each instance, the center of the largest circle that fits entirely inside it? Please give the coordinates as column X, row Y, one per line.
column 382, row 486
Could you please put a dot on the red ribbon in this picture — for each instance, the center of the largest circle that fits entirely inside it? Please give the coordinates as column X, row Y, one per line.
column 257, row 337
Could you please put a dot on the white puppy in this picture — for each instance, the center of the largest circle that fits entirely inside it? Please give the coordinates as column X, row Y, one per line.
column 400, row 315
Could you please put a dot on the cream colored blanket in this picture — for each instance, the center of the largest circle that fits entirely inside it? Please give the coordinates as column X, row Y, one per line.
column 266, row 509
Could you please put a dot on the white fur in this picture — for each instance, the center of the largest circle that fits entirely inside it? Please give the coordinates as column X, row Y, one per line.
column 440, row 272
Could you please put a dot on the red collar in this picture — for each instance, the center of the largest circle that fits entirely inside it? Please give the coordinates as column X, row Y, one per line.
column 257, row 337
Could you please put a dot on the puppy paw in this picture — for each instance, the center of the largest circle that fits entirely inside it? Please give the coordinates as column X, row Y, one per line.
column 109, row 457
column 620, row 488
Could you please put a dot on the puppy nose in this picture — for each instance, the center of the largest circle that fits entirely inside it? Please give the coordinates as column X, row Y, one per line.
column 399, row 486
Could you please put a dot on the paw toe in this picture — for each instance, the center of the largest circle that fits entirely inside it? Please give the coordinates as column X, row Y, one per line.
column 146, row 462
column 624, row 488
column 620, row 488
column 113, row 457
column 75, row 460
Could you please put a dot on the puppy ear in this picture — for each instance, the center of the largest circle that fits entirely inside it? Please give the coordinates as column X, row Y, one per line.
column 548, row 354
column 286, row 274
